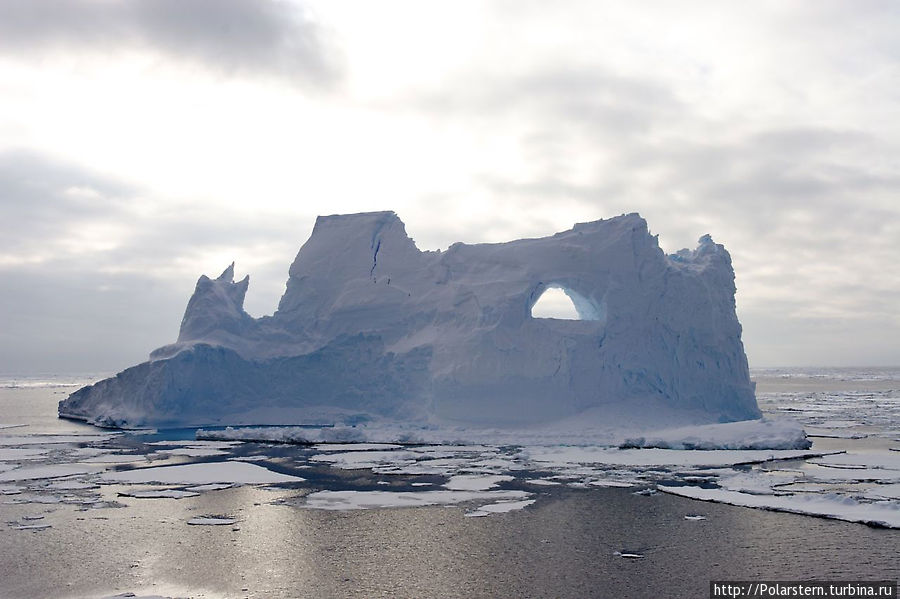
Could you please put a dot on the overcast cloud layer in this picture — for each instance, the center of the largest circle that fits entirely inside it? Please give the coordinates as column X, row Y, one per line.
column 234, row 37
column 144, row 143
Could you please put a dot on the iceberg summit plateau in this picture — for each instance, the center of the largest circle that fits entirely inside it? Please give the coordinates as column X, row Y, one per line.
column 372, row 330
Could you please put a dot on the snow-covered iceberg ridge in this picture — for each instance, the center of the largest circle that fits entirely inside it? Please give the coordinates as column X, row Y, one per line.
column 371, row 328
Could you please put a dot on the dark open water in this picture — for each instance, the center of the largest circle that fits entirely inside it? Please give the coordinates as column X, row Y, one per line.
column 564, row 545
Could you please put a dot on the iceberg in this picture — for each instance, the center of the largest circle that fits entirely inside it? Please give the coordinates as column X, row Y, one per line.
column 372, row 329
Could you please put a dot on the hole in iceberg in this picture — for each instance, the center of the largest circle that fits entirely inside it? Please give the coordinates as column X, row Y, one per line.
column 559, row 302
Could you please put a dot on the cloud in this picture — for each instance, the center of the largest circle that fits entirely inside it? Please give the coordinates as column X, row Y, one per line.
column 586, row 99
column 231, row 37
column 806, row 207
column 96, row 272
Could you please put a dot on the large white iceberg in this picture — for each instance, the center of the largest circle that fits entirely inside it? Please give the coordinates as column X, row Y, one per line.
column 370, row 328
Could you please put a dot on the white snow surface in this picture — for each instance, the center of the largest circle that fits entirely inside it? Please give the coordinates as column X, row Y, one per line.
column 840, row 507
column 363, row 500
column 201, row 474
column 46, row 471
column 211, row 521
column 448, row 338
column 749, row 434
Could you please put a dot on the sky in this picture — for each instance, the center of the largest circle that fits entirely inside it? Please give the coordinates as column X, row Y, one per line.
column 147, row 142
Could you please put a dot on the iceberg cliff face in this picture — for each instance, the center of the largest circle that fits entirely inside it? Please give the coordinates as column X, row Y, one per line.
column 370, row 327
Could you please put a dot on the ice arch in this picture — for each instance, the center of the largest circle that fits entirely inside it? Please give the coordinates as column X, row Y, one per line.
column 558, row 301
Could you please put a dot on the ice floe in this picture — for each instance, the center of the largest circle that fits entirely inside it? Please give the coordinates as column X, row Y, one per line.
column 748, row 434
column 159, row 493
column 16, row 440
column 202, row 473
column 361, row 500
column 830, row 505
column 501, row 507
column 12, row 454
column 32, row 526
column 475, row 482
column 212, row 521
column 46, row 471
column 607, row 456
column 869, row 459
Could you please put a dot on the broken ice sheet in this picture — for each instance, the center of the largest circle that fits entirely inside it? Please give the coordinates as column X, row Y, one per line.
column 840, row 507
column 864, row 459
column 355, row 446
column 501, row 507
column 565, row 455
column 159, row 493
column 32, row 526
column 11, row 454
column 361, row 500
column 201, row 473
column 212, row 521
column 41, row 439
column 475, row 482
column 47, row 471
column 890, row 491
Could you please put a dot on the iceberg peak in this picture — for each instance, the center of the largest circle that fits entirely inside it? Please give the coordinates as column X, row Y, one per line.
column 371, row 327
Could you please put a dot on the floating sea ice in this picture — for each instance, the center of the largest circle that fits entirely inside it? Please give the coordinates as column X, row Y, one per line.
column 34, row 517
column 602, row 482
column 24, row 498
column 212, row 487
column 694, row 517
column 202, row 473
column 358, row 460
column 49, row 471
column 32, row 526
column 757, row 481
column 193, row 452
column 361, row 500
column 891, row 491
column 196, row 443
column 355, row 446
column 501, row 507
column 212, row 521
column 747, row 434
column 868, row 459
column 133, row 596
column 475, row 482
column 568, row 455
column 839, row 507
column 827, row 433
column 628, row 554
column 69, row 485
column 53, row 439
column 10, row 490
column 542, row 482
column 115, row 458
column 823, row 473
column 12, row 454
column 159, row 493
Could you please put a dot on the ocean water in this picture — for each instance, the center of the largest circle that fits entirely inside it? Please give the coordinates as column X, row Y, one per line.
column 81, row 515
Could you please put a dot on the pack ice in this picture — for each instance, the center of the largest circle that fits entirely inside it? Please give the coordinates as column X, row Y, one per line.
column 371, row 329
